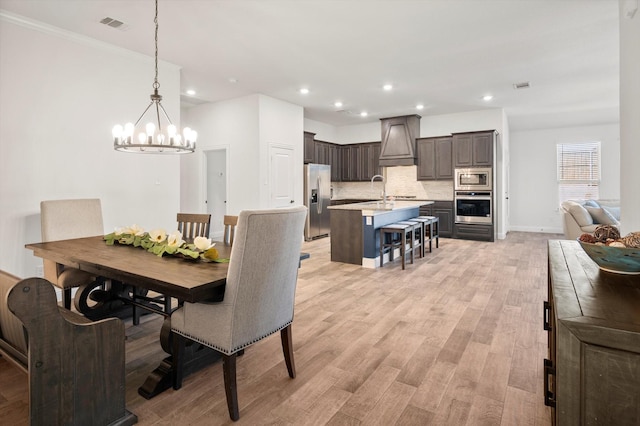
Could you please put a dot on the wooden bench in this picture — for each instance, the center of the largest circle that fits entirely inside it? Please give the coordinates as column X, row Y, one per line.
column 75, row 366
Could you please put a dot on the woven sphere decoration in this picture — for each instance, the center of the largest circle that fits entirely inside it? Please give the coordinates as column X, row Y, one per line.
column 606, row 232
column 632, row 240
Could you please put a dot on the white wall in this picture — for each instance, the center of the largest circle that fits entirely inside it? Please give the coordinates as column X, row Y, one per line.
column 629, row 117
column 246, row 127
column 323, row 131
column 281, row 125
column 61, row 95
column 534, row 187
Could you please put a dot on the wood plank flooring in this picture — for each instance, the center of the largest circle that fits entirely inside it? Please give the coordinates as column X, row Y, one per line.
column 455, row 339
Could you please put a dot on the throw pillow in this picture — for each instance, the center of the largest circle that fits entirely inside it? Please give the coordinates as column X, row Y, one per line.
column 580, row 214
column 602, row 216
column 591, row 203
column 614, row 211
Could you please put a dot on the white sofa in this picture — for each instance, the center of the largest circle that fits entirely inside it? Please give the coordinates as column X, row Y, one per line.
column 584, row 216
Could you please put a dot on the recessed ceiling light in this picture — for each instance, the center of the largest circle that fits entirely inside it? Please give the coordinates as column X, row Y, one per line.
column 387, row 87
column 233, row 80
column 191, row 92
column 304, row 91
column 419, row 106
column 487, row 97
column 364, row 114
column 337, row 104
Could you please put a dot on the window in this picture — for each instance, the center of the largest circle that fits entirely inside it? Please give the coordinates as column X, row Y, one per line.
column 578, row 171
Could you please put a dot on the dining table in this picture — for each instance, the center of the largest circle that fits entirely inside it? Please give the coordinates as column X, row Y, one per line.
column 125, row 270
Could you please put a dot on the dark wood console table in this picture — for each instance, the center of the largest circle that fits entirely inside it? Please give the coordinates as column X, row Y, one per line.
column 592, row 375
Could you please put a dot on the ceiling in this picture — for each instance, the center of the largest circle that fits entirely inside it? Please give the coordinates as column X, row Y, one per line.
column 445, row 54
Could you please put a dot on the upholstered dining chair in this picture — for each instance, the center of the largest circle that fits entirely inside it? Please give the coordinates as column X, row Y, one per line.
column 230, row 223
column 64, row 220
column 258, row 297
column 193, row 225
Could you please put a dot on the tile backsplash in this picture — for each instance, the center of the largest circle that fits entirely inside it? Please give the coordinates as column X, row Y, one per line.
column 401, row 180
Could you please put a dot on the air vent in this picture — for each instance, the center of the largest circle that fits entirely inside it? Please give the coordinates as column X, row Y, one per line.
column 523, row 85
column 113, row 23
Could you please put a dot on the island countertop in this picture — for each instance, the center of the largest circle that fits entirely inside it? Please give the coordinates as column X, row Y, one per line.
column 374, row 208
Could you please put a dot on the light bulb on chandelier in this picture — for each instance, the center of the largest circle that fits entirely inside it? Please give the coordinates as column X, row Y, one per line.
column 153, row 139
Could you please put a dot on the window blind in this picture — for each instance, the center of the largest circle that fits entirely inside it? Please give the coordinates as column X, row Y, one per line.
column 578, row 171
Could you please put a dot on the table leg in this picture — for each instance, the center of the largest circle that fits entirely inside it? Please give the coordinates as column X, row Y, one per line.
column 196, row 357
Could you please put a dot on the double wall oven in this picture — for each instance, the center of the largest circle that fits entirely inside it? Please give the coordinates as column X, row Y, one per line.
column 473, row 195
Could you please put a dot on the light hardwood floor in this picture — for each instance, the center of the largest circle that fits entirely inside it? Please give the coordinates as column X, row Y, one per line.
column 455, row 339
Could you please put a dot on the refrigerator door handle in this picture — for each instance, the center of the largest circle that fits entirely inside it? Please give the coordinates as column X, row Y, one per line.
column 319, row 205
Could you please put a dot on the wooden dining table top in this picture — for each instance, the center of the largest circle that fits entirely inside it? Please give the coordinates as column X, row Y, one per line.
column 184, row 279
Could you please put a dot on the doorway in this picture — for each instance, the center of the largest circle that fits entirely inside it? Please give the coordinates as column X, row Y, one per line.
column 281, row 170
column 216, row 189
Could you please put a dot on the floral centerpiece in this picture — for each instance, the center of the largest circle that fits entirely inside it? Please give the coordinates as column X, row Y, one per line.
column 160, row 243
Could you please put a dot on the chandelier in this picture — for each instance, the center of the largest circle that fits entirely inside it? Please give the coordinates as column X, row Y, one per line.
column 153, row 138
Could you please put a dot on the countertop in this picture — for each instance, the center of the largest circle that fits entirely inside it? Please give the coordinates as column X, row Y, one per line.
column 372, row 208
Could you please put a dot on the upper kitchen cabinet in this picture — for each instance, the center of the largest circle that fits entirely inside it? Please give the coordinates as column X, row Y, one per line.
column 473, row 149
column 369, row 160
column 334, row 161
column 322, row 155
column 399, row 136
column 309, row 147
column 434, row 158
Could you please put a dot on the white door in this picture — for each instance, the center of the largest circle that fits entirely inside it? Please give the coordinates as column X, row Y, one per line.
column 281, row 176
column 216, row 193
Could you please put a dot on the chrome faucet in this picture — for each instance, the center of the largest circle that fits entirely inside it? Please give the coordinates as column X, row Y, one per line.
column 384, row 187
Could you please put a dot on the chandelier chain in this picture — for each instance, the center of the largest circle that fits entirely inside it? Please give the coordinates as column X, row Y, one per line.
column 156, row 84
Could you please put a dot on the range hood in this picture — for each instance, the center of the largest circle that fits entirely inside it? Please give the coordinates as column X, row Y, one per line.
column 399, row 140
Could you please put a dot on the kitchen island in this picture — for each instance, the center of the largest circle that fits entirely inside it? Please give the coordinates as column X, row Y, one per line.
column 354, row 228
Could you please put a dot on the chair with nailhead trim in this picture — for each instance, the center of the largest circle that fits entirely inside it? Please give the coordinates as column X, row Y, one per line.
column 258, row 297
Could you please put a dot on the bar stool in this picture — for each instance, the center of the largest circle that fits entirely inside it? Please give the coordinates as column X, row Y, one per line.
column 434, row 230
column 426, row 233
column 398, row 234
column 418, row 236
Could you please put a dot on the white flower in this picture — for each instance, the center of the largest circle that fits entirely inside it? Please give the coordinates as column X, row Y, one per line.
column 135, row 230
column 158, row 235
column 175, row 239
column 121, row 230
column 203, row 243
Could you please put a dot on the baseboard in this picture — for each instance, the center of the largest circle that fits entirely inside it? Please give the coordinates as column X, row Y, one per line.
column 543, row 229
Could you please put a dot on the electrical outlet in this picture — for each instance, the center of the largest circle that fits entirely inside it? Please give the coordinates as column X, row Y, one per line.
column 39, row 271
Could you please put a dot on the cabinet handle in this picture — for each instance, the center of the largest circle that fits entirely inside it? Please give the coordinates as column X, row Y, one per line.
column 549, row 370
column 546, row 315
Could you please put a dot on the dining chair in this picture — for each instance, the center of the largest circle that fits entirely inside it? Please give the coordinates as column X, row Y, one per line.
column 64, row 220
column 190, row 225
column 258, row 298
column 193, row 225
column 230, row 223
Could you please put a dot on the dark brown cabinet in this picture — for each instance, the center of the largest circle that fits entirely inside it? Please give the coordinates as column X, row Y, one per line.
column 309, row 147
column 322, row 152
column 434, row 158
column 443, row 210
column 473, row 149
column 349, row 163
column 473, row 231
column 369, row 160
column 592, row 375
column 334, row 161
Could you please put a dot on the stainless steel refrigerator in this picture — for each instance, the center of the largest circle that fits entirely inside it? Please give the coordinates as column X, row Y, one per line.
column 317, row 194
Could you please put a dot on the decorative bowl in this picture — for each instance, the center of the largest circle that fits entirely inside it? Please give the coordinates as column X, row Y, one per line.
column 619, row 260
